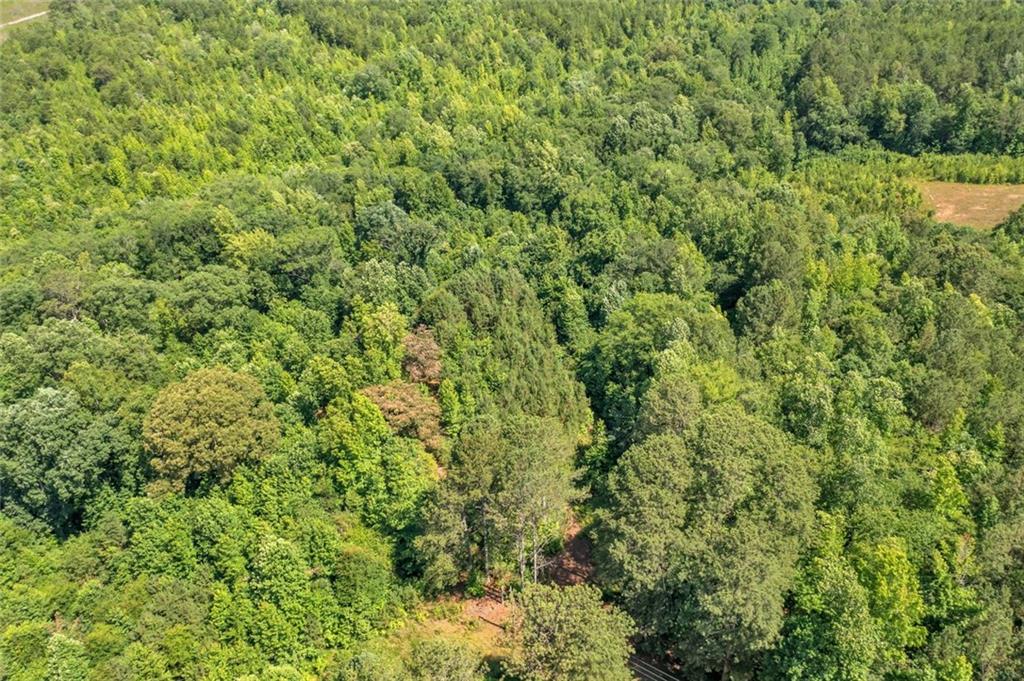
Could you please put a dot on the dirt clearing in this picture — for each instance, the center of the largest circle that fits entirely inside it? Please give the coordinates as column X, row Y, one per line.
column 982, row 206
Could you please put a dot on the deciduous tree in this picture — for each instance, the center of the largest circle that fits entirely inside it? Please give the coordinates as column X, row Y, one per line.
column 567, row 633
column 200, row 428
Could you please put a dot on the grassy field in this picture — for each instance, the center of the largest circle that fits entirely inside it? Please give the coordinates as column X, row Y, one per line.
column 982, row 206
column 12, row 10
column 475, row 622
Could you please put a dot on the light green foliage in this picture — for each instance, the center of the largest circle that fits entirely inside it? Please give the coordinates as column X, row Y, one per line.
column 276, row 577
column 378, row 334
column 381, row 476
column 681, row 386
column 371, row 666
column 321, row 381
column 894, row 597
column 199, row 429
column 443, row 660
column 830, row 634
column 65, row 659
column 564, row 633
column 137, row 661
column 364, row 587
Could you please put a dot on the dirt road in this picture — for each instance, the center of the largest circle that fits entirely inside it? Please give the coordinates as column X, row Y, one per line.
column 30, row 17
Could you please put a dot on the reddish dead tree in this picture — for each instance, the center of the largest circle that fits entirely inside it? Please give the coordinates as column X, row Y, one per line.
column 409, row 411
column 422, row 362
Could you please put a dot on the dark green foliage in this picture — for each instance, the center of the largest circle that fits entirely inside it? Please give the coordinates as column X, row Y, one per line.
column 701, row 534
column 501, row 503
column 51, row 458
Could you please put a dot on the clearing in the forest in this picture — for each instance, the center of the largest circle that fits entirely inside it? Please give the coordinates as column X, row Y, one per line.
column 982, row 206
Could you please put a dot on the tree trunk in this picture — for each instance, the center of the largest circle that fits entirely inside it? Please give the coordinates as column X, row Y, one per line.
column 521, row 553
column 536, row 555
column 467, row 538
column 487, row 546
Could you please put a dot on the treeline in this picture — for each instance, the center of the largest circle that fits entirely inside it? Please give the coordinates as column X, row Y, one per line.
column 914, row 77
column 312, row 311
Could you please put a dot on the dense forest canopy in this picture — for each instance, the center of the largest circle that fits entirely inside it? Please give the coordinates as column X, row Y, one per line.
column 315, row 311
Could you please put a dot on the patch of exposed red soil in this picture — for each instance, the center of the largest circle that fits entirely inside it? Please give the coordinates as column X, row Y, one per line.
column 491, row 611
column 575, row 564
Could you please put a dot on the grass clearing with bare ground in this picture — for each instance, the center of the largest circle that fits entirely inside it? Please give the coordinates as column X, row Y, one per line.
column 477, row 622
column 982, row 206
column 13, row 10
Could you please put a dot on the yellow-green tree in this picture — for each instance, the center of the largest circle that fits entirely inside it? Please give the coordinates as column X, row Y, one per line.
column 567, row 633
column 200, row 428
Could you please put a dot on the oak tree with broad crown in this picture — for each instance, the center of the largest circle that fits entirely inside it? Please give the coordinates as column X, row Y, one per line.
column 200, row 428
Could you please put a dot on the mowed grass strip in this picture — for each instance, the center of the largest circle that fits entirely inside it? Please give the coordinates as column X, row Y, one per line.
column 12, row 10
column 982, row 206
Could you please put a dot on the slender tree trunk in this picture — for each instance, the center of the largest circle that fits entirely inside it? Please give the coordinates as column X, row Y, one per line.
column 487, row 546
column 467, row 537
column 536, row 554
column 521, row 552
column 487, row 554
column 535, row 531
